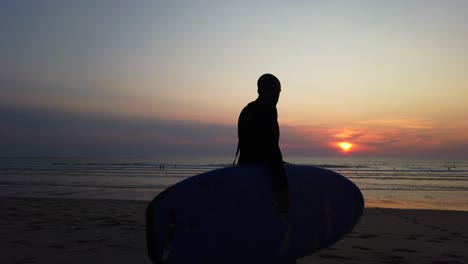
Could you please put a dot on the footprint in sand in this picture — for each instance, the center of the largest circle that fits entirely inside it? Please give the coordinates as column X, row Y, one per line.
column 415, row 236
column 443, row 238
column 25, row 260
column 439, row 239
column 87, row 250
column 332, row 249
column 333, row 256
column 19, row 243
column 405, row 250
column 446, row 262
column 452, row 256
column 13, row 209
column 61, row 247
column 361, row 248
column 367, row 236
column 393, row 259
column 121, row 246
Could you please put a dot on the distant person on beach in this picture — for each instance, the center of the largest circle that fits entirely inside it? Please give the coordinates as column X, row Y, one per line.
column 258, row 133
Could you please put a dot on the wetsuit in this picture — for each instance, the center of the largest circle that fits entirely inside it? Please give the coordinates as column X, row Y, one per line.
column 258, row 133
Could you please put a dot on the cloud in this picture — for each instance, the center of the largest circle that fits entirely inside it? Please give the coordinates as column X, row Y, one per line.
column 41, row 132
column 347, row 134
column 28, row 131
column 400, row 123
column 404, row 138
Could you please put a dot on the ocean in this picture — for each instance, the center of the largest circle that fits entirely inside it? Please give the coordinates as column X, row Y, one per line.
column 384, row 182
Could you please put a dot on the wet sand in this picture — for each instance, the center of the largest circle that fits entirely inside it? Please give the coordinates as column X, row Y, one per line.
column 43, row 230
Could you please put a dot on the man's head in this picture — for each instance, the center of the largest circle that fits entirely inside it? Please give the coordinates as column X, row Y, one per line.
column 269, row 88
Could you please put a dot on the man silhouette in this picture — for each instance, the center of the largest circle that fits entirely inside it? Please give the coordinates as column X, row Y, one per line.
column 258, row 133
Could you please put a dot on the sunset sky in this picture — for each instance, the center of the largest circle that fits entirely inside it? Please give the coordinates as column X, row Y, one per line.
column 156, row 78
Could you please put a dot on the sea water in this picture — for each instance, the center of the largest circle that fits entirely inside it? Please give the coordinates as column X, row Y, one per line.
column 384, row 182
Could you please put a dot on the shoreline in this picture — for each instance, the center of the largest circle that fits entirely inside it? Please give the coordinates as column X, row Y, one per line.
column 369, row 202
column 56, row 230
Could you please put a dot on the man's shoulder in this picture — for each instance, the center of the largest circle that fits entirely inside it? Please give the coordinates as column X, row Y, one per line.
column 258, row 111
column 250, row 107
column 258, row 105
column 247, row 112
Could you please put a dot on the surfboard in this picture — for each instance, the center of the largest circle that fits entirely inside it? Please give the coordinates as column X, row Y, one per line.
column 230, row 215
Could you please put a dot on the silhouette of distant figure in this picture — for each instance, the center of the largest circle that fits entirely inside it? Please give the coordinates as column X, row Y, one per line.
column 258, row 133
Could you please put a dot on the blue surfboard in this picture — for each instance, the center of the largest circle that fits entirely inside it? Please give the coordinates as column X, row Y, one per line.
column 230, row 215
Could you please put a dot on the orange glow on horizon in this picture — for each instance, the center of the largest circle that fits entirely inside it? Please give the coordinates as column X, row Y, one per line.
column 345, row 146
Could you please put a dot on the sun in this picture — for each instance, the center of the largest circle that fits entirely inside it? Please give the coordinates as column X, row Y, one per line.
column 345, row 146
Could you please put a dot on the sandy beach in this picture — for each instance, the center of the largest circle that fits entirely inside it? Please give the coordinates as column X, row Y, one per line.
column 43, row 230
